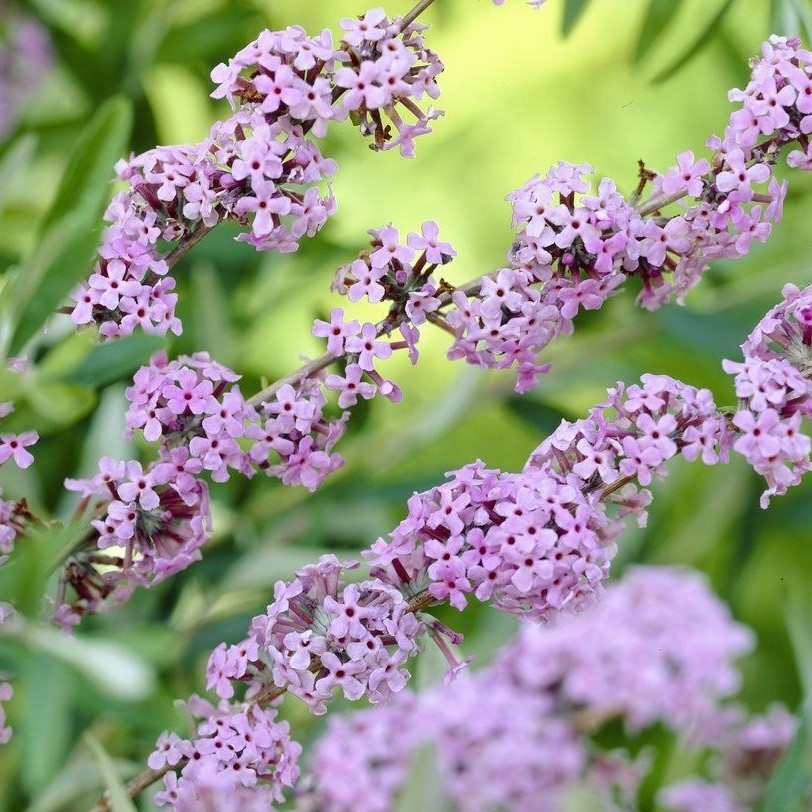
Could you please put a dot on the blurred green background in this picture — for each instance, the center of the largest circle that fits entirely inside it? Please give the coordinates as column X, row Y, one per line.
column 518, row 96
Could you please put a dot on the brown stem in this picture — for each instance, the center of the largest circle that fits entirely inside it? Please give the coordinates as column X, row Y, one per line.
column 412, row 15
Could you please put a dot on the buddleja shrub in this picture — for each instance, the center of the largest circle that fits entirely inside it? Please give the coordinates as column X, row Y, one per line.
column 655, row 648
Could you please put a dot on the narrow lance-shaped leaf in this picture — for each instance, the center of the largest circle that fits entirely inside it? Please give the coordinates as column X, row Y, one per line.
column 85, row 184
column 16, row 159
column 573, row 10
column 120, row 801
column 70, row 230
column 784, row 18
column 659, row 14
column 789, row 786
column 697, row 45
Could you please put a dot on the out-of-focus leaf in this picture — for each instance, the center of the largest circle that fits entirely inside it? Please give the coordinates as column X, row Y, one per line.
column 537, row 414
column 266, row 564
column 45, row 730
column 62, row 258
column 178, row 102
column 210, row 322
column 789, row 785
column 573, row 10
column 804, row 11
column 16, row 159
column 58, row 402
column 83, row 20
column 85, row 184
column 216, row 34
column 77, row 779
column 697, row 45
column 659, row 14
column 11, row 385
column 108, row 665
column 790, row 781
column 119, row 800
column 581, row 799
column 784, row 18
column 107, row 363
column 23, row 579
column 422, row 788
column 70, row 230
column 105, row 438
column 799, row 625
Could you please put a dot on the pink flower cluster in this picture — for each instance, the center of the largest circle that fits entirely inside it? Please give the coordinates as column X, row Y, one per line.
column 541, row 541
column 262, row 166
column 381, row 69
column 240, row 759
column 512, row 736
column 659, row 646
column 193, row 406
column 774, row 387
column 529, row 543
column 576, row 246
column 321, row 634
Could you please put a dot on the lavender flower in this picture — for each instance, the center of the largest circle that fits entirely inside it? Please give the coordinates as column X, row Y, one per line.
column 774, row 387
column 241, row 758
column 512, row 736
column 320, row 635
column 576, row 246
column 262, row 166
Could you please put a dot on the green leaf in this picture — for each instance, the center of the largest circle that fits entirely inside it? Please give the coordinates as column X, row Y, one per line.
column 697, row 45
column 70, row 230
column 178, row 101
column 79, row 778
column 573, row 10
column 59, row 403
column 659, row 15
column 16, row 159
column 799, row 626
column 107, row 363
column 61, row 259
column 535, row 413
column 422, row 788
column 804, row 12
column 85, row 184
column 789, row 785
column 790, row 781
column 105, row 665
column 47, row 689
column 119, row 800
column 784, row 18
